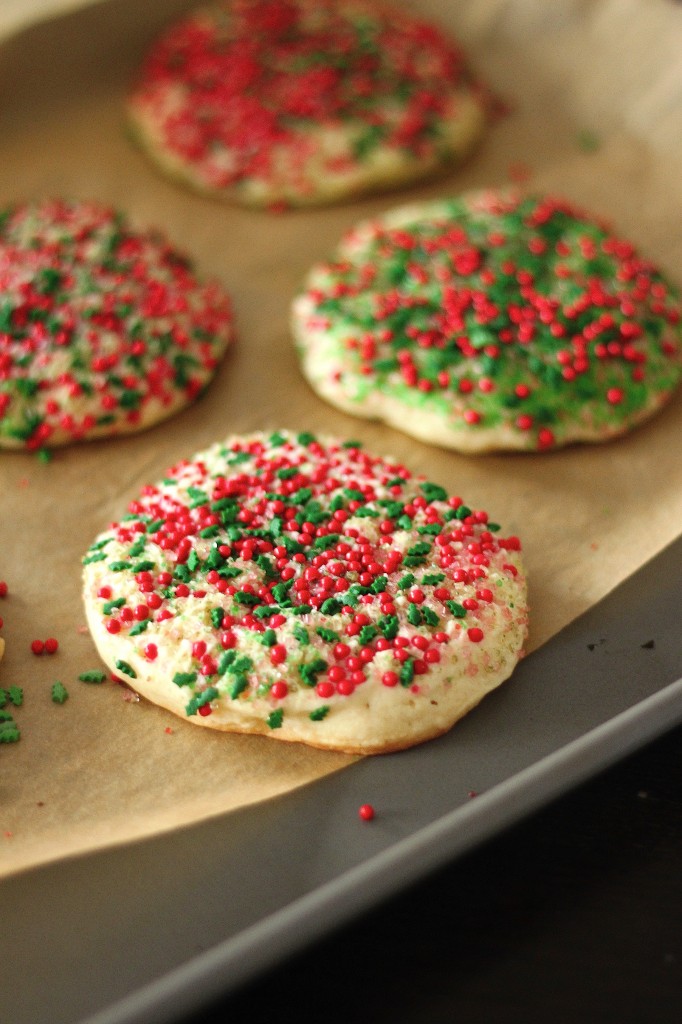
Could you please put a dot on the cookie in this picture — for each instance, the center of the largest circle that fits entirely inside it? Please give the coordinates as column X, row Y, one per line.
column 103, row 329
column 491, row 321
column 306, row 590
column 303, row 102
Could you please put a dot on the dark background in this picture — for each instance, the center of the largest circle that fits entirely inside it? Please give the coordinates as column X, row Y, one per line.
column 573, row 915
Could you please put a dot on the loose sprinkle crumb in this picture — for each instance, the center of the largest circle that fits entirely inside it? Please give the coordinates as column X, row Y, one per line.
column 366, row 812
column 59, row 693
column 9, row 730
column 588, row 140
column 93, row 676
column 16, row 696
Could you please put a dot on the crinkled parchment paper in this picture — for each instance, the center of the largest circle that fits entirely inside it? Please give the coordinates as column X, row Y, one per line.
column 594, row 97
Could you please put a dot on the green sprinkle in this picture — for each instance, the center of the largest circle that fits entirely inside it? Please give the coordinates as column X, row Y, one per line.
column 434, row 492
column 432, row 579
column 268, row 638
column 414, row 616
column 265, row 611
column 389, row 626
column 327, row 634
column 127, row 669
column 226, row 661
column 457, row 610
column 367, row 633
column 430, row 617
column 16, row 696
column 110, row 606
column 217, row 615
column 422, row 547
column 309, row 671
column 119, row 566
column 407, row 672
column 305, row 439
column 319, row 713
column 274, row 719
column 242, row 663
column 184, row 678
column 301, row 634
column 406, row 581
column 94, row 675
column 9, row 732
column 209, row 694
column 588, row 141
column 59, row 693
column 238, row 685
column 139, row 627
column 331, row 606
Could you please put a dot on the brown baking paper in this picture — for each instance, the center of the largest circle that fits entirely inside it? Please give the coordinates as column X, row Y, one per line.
column 106, row 768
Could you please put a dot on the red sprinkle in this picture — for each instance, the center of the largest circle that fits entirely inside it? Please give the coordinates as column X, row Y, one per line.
column 366, row 812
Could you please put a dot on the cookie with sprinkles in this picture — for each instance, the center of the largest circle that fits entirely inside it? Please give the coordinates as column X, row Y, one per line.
column 104, row 329
column 303, row 589
column 300, row 102
column 491, row 321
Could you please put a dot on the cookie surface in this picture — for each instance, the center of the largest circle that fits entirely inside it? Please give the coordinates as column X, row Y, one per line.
column 490, row 322
column 300, row 102
column 306, row 590
column 103, row 329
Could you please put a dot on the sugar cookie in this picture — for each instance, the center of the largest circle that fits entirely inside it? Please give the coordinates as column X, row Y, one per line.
column 301, row 102
column 306, row 590
column 491, row 322
column 103, row 329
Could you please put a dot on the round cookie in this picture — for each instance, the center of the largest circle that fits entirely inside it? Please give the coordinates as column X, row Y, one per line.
column 306, row 590
column 300, row 102
column 103, row 329
column 490, row 321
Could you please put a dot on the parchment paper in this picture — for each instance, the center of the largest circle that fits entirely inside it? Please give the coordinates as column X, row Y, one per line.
column 594, row 97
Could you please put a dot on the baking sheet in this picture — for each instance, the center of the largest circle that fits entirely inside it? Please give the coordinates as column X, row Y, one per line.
column 165, row 925
column 97, row 789
column 102, row 769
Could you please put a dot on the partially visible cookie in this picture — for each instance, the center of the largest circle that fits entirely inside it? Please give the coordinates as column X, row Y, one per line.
column 491, row 321
column 302, row 102
column 306, row 590
column 103, row 329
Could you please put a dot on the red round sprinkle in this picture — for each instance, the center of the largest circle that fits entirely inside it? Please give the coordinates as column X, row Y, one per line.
column 366, row 812
column 475, row 634
column 37, row 646
column 51, row 645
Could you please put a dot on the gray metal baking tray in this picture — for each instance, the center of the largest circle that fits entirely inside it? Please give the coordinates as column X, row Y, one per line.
column 148, row 932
